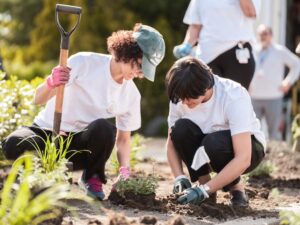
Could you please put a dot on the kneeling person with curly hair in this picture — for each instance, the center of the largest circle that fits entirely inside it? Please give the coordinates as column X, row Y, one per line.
column 98, row 87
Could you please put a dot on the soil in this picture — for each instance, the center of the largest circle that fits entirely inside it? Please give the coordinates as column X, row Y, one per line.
column 143, row 202
column 259, row 189
column 267, row 194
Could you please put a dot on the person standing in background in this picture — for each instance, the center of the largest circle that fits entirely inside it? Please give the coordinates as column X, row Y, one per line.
column 269, row 85
column 223, row 30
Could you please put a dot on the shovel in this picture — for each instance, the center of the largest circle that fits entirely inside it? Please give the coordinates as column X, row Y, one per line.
column 63, row 57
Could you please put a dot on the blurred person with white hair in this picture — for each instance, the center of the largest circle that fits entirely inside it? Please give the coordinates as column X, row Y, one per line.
column 269, row 84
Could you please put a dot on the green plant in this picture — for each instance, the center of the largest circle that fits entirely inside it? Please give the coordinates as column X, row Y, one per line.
column 296, row 133
column 16, row 108
column 136, row 146
column 50, row 164
column 143, row 185
column 296, row 127
column 274, row 193
column 289, row 217
column 265, row 168
column 19, row 207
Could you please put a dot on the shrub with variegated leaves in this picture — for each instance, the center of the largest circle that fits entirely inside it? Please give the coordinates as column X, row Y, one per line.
column 16, row 103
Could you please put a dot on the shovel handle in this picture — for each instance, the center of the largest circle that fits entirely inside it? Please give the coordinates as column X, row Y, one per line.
column 63, row 58
column 68, row 9
column 63, row 33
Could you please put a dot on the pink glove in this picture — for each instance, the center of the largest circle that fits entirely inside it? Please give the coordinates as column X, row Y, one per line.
column 124, row 172
column 59, row 76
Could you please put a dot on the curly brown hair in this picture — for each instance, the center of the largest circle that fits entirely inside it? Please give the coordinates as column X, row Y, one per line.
column 123, row 46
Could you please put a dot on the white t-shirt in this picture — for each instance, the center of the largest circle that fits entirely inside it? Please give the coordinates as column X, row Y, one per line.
column 91, row 93
column 223, row 25
column 229, row 108
column 269, row 72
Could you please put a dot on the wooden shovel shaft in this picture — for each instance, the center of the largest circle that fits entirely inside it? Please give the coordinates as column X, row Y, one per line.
column 63, row 59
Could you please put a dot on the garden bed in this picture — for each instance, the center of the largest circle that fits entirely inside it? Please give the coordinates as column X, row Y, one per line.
column 266, row 193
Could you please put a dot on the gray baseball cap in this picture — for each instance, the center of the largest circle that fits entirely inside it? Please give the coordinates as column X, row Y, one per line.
column 153, row 46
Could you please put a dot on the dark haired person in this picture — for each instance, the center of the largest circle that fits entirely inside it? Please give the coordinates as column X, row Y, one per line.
column 98, row 87
column 212, row 127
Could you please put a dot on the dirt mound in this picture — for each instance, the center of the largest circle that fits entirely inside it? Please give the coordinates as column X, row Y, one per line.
column 143, row 202
column 168, row 204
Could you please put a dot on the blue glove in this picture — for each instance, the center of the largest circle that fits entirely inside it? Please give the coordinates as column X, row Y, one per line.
column 182, row 50
column 195, row 195
column 181, row 183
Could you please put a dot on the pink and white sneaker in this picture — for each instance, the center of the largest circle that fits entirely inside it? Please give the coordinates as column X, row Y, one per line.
column 92, row 187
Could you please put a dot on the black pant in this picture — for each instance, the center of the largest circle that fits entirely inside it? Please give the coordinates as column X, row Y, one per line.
column 226, row 65
column 98, row 137
column 187, row 137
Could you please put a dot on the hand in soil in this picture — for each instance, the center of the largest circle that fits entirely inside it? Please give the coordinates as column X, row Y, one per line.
column 195, row 195
column 181, row 183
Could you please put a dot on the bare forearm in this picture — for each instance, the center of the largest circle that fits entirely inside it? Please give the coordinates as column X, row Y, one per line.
column 229, row 173
column 43, row 94
column 248, row 8
column 192, row 34
column 173, row 159
column 123, row 152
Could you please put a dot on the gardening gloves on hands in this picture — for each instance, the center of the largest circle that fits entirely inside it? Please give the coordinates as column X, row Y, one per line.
column 60, row 75
column 195, row 195
column 182, row 50
column 181, row 183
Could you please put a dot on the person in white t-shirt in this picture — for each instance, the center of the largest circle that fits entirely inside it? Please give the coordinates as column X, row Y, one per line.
column 223, row 31
column 212, row 127
column 269, row 84
column 98, row 87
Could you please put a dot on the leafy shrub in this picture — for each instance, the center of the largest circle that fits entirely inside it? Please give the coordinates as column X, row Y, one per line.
column 265, row 168
column 19, row 207
column 16, row 103
column 30, row 71
column 142, row 185
column 296, row 133
column 296, row 127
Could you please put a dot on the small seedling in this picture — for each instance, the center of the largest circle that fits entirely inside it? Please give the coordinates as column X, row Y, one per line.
column 265, row 168
column 274, row 193
column 50, row 164
column 143, row 185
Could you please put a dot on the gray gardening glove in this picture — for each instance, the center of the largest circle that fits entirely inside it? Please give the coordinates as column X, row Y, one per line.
column 195, row 195
column 182, row 50
column 181, row 183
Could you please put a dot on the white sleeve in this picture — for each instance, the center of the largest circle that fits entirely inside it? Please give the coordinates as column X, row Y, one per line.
column 174, row 114
column 192, row 14
column 293, row 63
column 239, row 114
column 77, row 65
column 131, row 120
